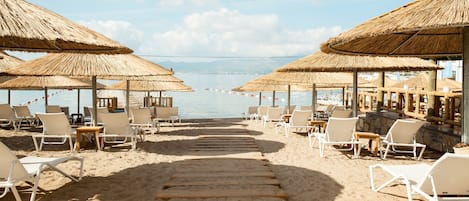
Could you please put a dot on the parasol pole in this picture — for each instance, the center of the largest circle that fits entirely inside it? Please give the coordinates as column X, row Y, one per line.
column 260, row 98
column 380, row 94
column 160, row 100
column 355, row 93
column 314, row 99
column 95, row 109
column 9, row 96
column 273, row 98
column 289, row 92
column 46, row 101
column 127, row 95
column 465, row 85
column 78, row 101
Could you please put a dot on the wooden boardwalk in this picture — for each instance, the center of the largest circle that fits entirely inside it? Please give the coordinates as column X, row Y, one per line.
column 226, row 168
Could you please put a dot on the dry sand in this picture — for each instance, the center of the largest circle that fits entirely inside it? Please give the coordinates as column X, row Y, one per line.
column 120, row 174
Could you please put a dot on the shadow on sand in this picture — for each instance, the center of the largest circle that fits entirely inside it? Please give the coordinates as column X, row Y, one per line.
column 182, row 147
column 144, row 181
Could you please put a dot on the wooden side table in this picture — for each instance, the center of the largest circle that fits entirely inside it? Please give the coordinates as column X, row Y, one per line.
column 320, row 124
column 87, row 130
column 372, row 137
column 286, row 118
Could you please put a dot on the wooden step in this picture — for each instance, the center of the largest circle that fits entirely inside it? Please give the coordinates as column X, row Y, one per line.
column 215, row 192
column 225, row 174
column 224, row 181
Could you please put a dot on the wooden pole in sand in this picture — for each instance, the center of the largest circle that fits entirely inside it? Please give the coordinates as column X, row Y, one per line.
column 127, row 97
column 465, row 85
column 260, row 98
column 355, row 93
column 78, row 101
column 289, row 91
column 273, row 98
column 380, row 97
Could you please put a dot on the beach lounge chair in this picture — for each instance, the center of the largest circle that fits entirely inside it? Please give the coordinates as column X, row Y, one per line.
column 117, row 129
column 339, row 131
column 298, row 120
column 251, row 113
column 273, row 115
column 402, row 134
column 167, row 114
column 261, row 112
column 446, row 179
column 100, row 110
column 53, row 109
column 287, row 111
column 142, row 122
column 55, row 126
column 14, row 170
column 8, row 116
column 339, row 113
column 306, row 107
column 23, row 114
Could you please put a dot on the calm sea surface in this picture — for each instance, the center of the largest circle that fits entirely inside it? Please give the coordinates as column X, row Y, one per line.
column 211, row 98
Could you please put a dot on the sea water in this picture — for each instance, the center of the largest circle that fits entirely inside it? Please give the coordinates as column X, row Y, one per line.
column 212, row 96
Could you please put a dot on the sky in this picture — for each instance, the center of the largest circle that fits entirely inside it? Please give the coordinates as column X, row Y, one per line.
column 204, row 29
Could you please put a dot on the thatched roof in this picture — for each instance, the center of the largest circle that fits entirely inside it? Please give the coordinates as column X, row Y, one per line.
column 150, row 86
column 421, row 28
column 421, row 81
column 255, row 86
column 27, row 27
column 41, row 82
column 305, row 78
column 117, row 66
column 322, row 62
column 7, row 61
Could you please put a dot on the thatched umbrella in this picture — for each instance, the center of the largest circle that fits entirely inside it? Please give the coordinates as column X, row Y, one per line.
column 421, row 80
column 43, row 83
column 27, row 27
column 146, row 85
column 322, row 62
column 102, row 66
column 426, row 28
column 6, row 62
column 314, row 80
column 373, row 83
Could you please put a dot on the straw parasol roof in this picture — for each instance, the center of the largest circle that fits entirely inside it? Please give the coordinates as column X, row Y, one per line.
column 145, row 85
column 324, row 80
column 421, row 81
column 421, row 28
column 102, row 66
column 27, row 27
column 41, row 82
column 7, row 61
column 268, row 87
column 373, row 83
column 323, row 62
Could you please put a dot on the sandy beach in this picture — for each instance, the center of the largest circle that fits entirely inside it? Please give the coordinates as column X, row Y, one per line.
column 120, row 174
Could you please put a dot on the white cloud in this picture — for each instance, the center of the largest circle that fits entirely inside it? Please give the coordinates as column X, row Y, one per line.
column 175, row 3
column 227, row 32
column 221, row 32
column 120, row 31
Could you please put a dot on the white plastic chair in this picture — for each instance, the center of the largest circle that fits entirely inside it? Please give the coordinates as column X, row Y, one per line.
column 28, row 168
column 23, row 114
column 56, row 126
column 141, row 121
column 298, row 120
column 251, row 113
column 339, row 131
column 273, row 115
column 448, row 176
column 261, row 112
column 117, row 129
column 8, row 116
column 402, row 134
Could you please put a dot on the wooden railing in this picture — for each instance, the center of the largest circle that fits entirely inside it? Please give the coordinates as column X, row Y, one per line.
column 155, row 101
column 412, row 103
column 110, row 103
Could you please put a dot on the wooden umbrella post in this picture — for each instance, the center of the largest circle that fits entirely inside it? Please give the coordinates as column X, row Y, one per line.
column 465, row 84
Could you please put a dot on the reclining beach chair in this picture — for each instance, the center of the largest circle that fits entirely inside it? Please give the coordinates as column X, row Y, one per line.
column 261, row 111
column 339, row 131
column 28, row 168
column 289, row 110
column 446, row 179
column 298, row 120
column 402, row 134
column 142, row 122
column 23, row 114
column 117, row 129
column 8, row 116
column 273, row 115
column 56, row 126
column 251, row 113
column 53, row 109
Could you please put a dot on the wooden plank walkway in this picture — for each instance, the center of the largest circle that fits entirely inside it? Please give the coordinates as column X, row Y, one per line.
column 226, row 168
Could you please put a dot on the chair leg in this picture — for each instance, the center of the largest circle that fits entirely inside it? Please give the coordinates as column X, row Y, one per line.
column 421, row 153
column 71, row 144
column 321, row 149
column 386, row 151
column 35, row 143
column 15, row 193
column 35, row 186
